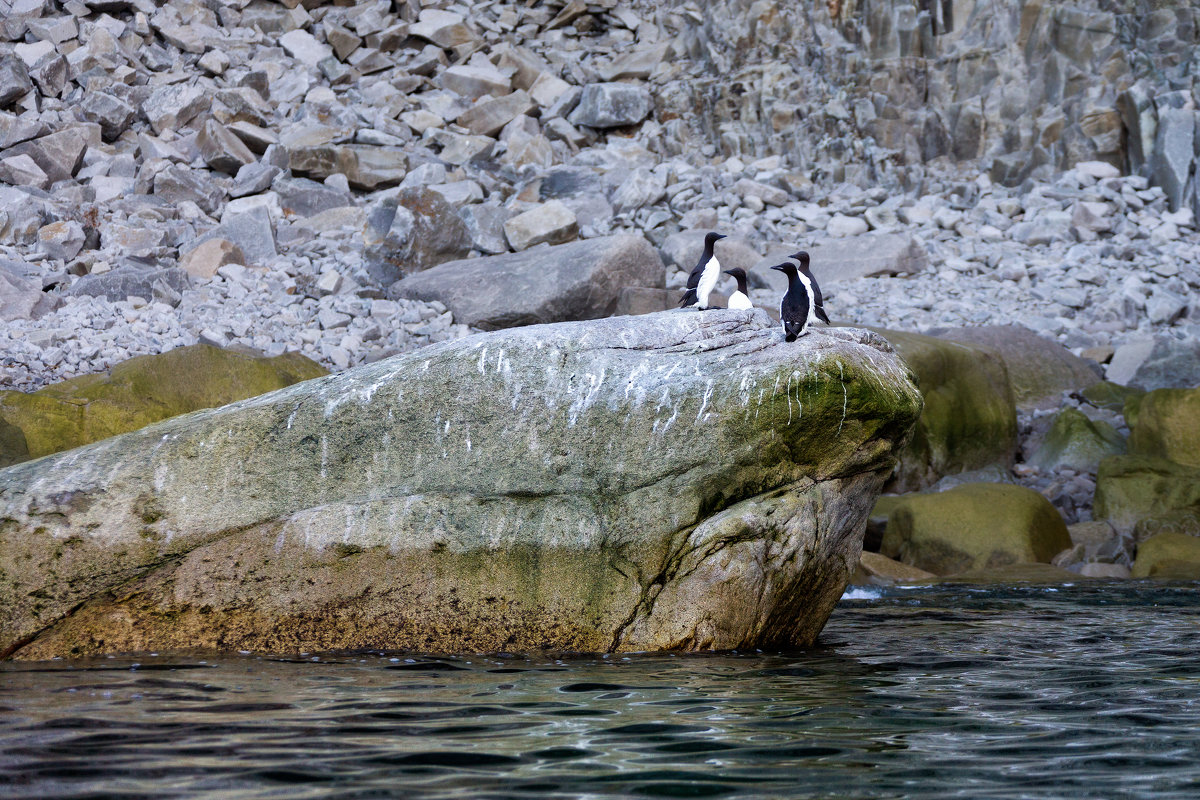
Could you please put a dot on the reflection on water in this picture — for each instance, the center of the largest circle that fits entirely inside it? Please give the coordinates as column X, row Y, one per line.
column 935, row 692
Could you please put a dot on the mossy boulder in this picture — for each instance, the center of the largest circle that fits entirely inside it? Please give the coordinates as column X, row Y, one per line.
column 1174, row 556
column 974, row 526
column 1077, row 442
column 1185, row 521
column 1131, row 488
column 1168, row 426
column 1110, row 396
column 138, row 392
column 678, row 480
column 969, row 420
column 1039, row 369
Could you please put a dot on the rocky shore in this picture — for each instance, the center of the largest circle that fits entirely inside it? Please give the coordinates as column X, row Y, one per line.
column 353, row 182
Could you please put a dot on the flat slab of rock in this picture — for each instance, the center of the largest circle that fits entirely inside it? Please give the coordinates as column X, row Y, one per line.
column 579, row 280
column 672, row 481
column 837, row 260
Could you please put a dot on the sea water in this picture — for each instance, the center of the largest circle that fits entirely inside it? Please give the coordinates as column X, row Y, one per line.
column 1080, row 691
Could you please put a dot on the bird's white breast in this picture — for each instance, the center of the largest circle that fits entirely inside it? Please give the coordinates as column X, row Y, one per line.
column 708, row 280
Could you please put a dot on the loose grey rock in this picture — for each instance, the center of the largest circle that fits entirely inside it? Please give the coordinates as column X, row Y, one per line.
column 252, row 231
column 549, row 223
column 411, row 231
column 22, row 298
column 125, row 281
column 112, row 114
column 487, row 117
column 485, row 223
column 21, row 170
column 171, row 106
column 611, row 105
column 580, row 280
column 62, row 240
column 222, row 150
column 14, row 80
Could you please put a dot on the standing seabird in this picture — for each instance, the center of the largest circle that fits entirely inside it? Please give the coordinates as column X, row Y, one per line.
column 795, row 309
column 704, row 275
column 739, row 299
column 818, row 308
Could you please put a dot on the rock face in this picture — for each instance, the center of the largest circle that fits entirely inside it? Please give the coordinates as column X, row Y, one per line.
column 141, row 391
column 1077, row 442
column 1130, row 489
column 974, row 526
column 581, row 280
column 1168, row 426
column 675, row 480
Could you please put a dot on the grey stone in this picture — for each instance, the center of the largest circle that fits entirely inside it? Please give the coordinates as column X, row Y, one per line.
column 1127, row 359
column 1170, row 364
column 549, row 223
column 365, row 167
column 1174, row 152
column 22, row 298
column 638, row 63
column 612, row 105
column 253, row 179
column 413, row 230
column 124, row 281
column 459, row 193
column 301, row 197
column 222, row 150
column 62, row 240
column 472, row 82
column 304, row 47
column 742, row 526
column 579, row 280
column 111, row 113
column 59, row 155
column 444, row 28
column 460, row 149
column 485, row 223
column 14, row 80
column 487, row 117
column 643, row 187
column 252, row 231
column 14, row 129
column 846, row 259
column 177, row 183
column 21, row 170
column 771, row 195
column 204, row 259
column 171, row 106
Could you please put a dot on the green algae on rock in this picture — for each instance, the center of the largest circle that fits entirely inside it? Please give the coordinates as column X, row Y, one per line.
column 140, row 391
column 1174, row 556
column 970, row 418
column 678, row 480
column 1167, row 425
column 1132, row 488
column 974, row 526
column 1077, row 442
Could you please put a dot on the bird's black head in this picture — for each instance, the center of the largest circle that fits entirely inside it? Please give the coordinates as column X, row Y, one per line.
column 801, row 257
column 787, row 268
column 736, row 272
column 711, row 238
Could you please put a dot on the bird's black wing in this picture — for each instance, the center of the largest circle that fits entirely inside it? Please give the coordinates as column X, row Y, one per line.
column 821, row 315
column 689, row 298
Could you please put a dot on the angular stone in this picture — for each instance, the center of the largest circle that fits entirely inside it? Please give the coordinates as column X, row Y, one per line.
column 485, row 223
column 119, row 283
column 411, row 231
column 472, row 82
column 444, row 28
column 341, row 40
column 62, row 240
column 770, row 195
column 974, row 526
column 14, row 80
column 177, row 183
column 23, row 171
column 14, row 130
column 203, row 260
column 487, row 117
column 171, row 106
column 136, row 239
column 1169, row 556
column 547, row 89
column 612, row 105
column 22, row 298
column 253, row 179
column 301, row 197
column 550, row 222
column 1174, row 152
column 112, row 114
column 580, row 280
column 365, row 167
column 221, row 150
column 304, row 47
column 1039, row 369
column 59, row 155
column 744, row 544
column 1171, row 364
column 639, row 63
column 643, row 187
column 875, row 569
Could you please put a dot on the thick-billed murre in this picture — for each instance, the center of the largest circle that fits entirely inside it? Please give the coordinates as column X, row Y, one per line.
column 818, row 306
column 795, row 309
column 739, row 299
column 704, row 275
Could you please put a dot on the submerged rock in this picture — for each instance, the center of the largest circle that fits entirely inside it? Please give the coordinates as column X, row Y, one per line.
column 670, row 481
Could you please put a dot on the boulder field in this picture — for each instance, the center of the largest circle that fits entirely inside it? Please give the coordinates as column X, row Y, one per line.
column 678, row 480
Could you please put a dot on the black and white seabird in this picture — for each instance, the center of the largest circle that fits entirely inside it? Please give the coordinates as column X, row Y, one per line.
column 739, row 299
column 818, row 308
column 704, row 275
column 795, row 309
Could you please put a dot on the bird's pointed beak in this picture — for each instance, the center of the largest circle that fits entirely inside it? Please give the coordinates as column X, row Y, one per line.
column 778, row 267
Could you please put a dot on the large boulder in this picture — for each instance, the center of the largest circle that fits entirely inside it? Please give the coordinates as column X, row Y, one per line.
column 974, row 526
column 1167, row 425
column 841, row 259
column 140, row 391
column 970, row 418
column 1039, row 369
column 579, row 280
column 1133, row 488
column 1170, row 556
column 670, row 481
column 1077, row 442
